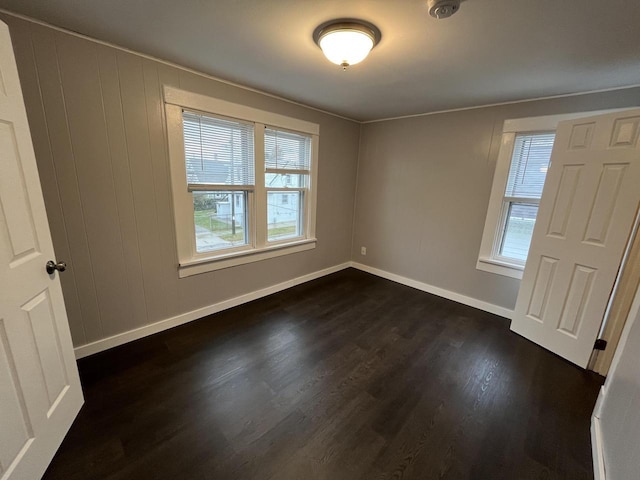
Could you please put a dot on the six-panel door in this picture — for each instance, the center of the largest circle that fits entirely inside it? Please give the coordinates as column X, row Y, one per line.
column 40, row 392
column 587, row 210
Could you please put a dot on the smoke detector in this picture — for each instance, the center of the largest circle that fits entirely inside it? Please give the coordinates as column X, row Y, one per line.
column 442, row 8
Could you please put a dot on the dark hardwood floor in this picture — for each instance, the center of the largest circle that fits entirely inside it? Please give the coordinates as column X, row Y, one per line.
column 346, row 377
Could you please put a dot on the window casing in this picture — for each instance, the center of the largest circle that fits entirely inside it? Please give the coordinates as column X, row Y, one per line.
column 523, row 161
column 231, row 168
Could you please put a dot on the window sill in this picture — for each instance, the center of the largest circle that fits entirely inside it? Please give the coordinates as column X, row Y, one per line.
column 501, row 268
column 203, row 265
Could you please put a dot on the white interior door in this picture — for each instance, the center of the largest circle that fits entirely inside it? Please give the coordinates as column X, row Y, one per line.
column 587, row 209
column 40, row 392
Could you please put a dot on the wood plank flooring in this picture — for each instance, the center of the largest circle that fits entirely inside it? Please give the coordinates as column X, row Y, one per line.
column 346, row 377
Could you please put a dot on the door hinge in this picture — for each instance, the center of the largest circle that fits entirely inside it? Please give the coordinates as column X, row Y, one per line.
column 600, row 344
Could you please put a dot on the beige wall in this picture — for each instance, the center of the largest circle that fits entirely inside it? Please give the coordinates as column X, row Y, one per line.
column 423, row 190
column 96, row 116
column 618, row 407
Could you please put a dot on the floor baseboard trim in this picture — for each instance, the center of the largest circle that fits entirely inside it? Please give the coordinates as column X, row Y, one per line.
column 137, row 333
column 146, row 330
column 597, row 450
column 441, row 292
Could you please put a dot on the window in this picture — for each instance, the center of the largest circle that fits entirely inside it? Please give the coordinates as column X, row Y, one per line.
column 521, row 170
column 220, row 169
column 287, row 168
column 243, row 182
column 529, row 165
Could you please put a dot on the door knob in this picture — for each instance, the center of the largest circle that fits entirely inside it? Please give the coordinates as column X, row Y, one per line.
column 53, row 266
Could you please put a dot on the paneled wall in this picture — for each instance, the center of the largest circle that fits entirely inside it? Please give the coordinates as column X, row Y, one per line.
column 98, row 127
column 423, row 190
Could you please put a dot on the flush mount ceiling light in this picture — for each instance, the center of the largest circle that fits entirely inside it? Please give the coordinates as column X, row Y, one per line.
column 346, row 42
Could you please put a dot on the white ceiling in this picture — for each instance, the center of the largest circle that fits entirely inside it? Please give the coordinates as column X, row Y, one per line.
column 491, row 51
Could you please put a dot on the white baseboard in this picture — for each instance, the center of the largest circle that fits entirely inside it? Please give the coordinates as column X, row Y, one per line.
column 597, row 410
column 136, row 333
column 597, row 450
column 441, row 292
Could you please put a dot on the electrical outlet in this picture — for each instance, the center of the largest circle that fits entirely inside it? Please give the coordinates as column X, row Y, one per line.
column 363, row 250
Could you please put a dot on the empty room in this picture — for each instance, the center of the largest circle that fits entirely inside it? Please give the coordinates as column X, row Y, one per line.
column 319, row 240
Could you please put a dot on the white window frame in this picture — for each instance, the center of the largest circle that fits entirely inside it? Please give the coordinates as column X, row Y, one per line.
column 191, row 262
column 489, row 259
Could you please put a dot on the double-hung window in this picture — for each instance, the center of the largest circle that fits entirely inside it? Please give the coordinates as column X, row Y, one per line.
column 521, row 170
column 527, row 173
column 243, row 182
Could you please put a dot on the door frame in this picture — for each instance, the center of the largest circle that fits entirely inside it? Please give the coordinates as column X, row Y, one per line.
column 620, row 302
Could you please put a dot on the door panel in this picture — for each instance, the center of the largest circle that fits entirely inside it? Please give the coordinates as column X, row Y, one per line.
column 542, row 287
column 587, row 209
column 564, row 201
column 18, row 223
column 577, row 297
column 45, row 335
column 13, row 414
column 604, row 204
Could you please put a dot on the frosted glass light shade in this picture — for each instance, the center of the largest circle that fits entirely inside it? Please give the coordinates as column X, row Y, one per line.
column 346, row 44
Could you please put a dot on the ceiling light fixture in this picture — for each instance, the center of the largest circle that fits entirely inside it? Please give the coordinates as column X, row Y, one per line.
column 346, row 42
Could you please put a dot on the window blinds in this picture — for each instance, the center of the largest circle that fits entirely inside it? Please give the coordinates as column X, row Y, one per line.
column 529, row 164
column 218, row 151
column 287, row 151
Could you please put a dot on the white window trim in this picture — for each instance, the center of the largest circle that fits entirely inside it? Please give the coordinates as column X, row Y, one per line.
column 189, row 261
column 492, row 235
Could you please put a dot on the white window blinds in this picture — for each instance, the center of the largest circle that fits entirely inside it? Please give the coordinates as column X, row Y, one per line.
column 529, row 164
column 218, row 151
column 287, row 151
